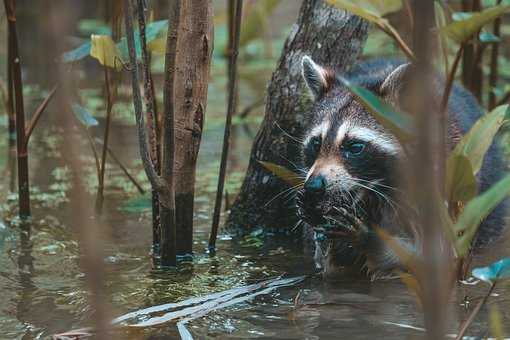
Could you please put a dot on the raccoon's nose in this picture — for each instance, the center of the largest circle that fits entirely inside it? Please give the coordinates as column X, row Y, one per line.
column 315, row 187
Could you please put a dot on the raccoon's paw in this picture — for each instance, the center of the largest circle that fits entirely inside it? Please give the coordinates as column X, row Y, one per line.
column 350, row 226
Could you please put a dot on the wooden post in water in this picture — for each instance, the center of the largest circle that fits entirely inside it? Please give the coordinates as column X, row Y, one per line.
column 191, row 79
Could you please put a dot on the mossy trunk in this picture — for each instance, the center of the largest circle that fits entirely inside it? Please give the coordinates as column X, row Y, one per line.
column 331, row 37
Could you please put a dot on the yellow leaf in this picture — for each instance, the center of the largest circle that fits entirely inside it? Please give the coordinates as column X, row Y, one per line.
column 283, row 173
column 104, row 50
column 462, row 30
column 157, row 46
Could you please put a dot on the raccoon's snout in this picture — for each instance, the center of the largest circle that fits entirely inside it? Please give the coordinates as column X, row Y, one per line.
column 315, row 188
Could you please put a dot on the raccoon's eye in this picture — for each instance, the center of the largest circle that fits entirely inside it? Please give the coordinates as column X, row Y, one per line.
column 315, row 145
column 353, row 149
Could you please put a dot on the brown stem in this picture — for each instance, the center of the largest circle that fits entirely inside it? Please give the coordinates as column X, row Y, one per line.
column 22, row 153
column 465, row 325
column 37, row 115
column 109, row 107
column 157, row 182
column 94, row 151
column 450, row 80
column 494, row 72
column 10, row 92
column 151, row 117
column 228, row 123
column 124, row 169
column 388, row 29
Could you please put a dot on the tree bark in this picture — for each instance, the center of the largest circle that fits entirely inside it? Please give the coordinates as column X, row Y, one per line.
column 331, row 37
column 194, row 51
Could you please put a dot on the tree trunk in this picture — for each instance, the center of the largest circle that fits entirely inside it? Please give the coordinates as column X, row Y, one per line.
column 194, row 51
column 331, row 37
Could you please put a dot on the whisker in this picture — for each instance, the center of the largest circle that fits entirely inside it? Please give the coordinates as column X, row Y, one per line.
column 283, row 192
column 295, row 139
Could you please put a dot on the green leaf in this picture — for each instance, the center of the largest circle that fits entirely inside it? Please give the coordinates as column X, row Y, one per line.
column 477, row 141
column 496, row 271
column 400, row 124
column 488, row 38
column 463, row 29
column 476, row 211
column 371, row 10
column 461, row 185
column 459, row 16
column 78, row 53
column 104, row 50
column 283, row 173
column 84, row 116
column 137, row 204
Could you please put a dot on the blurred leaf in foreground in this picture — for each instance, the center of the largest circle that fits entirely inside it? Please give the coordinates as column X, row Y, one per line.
column 499, row 270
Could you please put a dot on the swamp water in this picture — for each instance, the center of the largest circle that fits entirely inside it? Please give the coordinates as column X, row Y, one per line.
column 42, row 285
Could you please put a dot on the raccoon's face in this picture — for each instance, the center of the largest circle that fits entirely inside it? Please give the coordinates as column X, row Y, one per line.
column 350, row 159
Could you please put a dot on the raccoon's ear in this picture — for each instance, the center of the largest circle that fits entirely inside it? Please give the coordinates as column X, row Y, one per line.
column 318, row 79
column 395, row 80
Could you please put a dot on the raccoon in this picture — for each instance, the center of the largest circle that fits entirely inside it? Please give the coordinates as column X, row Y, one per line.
column 352, row 168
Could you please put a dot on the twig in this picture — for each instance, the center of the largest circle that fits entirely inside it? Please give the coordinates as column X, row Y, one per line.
column 244, row 113
column 473, row 314
column 37, row 115
column 151, row 118
column 450, row 80
column 228, row 123
column 123, row 168
column 494, row 72
column 102, row 169
column 157, row 182
column 388, row 29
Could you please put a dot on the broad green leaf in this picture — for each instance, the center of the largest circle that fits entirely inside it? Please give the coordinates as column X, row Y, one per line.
column 104, row 50
column 459, row 16
column 371, row 10
column 476, row 210
column 488, row 38
column 477, row 141
column 77, row 54
column 496, row 271
column 84, row 116
column 461, row 185
column 463, row 29
column 400, row 124
column 137, row 204
column 283, row 173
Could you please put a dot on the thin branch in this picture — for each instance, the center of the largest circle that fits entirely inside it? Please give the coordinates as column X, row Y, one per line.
column 37, row 115
column 157, row 182
column 228, row 123
column 465, row 325
column 124, row 169
column 109, row 107
column 388, row 29
column 450, row 80
column 494, row 73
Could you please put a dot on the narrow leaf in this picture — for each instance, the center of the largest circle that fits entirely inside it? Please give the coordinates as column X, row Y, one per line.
column 84, row 116
column 400, row 124
column 496, row 271
column 283, row 173
column 477, row 210
column 370, row 10
column 104, row 50
column 488, row 38
column 78, row 53
column 477, row 141
column 468, row 25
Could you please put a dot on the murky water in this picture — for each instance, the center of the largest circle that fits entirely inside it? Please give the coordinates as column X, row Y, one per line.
column 42, row 284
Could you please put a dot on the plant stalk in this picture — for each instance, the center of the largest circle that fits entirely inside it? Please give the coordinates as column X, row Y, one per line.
column 228, row 125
